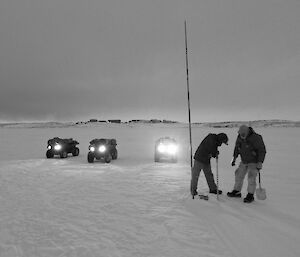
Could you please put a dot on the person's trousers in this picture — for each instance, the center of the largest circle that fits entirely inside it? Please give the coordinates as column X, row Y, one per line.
column 197, row 167
column 240, row 174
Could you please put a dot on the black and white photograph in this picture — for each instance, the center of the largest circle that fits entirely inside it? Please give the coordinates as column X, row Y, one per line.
column 149, row 128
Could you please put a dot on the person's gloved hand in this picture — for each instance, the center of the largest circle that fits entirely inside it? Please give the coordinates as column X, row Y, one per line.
column 233, row 162
column 259, row 165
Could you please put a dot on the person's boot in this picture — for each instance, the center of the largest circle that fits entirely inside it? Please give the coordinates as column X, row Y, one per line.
column 215, row 191
column 249, row 198
column 234, row 193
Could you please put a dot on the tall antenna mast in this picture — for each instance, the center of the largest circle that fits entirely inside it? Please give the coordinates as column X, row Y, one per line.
column 188, row 92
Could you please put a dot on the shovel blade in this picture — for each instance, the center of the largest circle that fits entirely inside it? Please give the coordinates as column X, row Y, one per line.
column 261, row 194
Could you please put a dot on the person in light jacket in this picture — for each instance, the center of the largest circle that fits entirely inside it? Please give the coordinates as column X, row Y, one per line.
column 251, row 148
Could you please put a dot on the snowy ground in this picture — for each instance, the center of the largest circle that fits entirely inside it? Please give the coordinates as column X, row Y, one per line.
column 134, row 207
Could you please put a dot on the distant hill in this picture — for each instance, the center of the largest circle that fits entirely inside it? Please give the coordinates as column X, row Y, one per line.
column 36, row 125
column 256, row 123
column 225, row 124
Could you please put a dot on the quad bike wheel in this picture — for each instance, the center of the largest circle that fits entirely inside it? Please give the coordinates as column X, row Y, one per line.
column 114, row 154
column 75, row 151
column 49, row 154
column 90, row 157
column 156, row 158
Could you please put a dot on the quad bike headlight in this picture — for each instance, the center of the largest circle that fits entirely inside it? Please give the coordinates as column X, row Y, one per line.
column 49, row 147
column 167, row 149
column 102, row 149
column 161, row 148
column 92, row 149
column 57, row 147
column 172, row 149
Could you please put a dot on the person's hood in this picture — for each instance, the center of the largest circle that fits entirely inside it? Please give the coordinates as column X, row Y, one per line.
column 250, row 132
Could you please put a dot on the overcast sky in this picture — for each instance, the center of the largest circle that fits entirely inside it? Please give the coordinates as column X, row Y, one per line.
column 74, row 59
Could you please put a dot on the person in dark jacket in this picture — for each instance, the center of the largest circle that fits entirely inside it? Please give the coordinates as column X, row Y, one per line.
column 206, row 150
column 251, row 148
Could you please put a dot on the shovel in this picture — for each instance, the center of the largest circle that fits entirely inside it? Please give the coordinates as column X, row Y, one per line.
column 217, row 171
column 260, row 192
